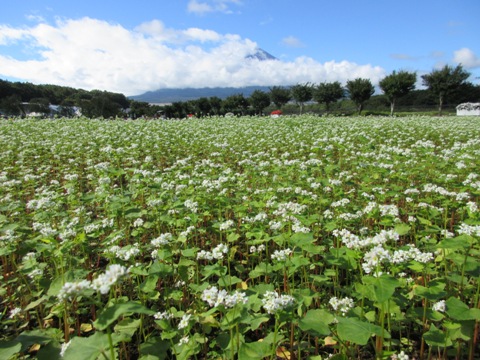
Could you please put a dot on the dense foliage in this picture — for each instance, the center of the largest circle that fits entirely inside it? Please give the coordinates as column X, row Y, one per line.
column 245, row 238
column 25, row 98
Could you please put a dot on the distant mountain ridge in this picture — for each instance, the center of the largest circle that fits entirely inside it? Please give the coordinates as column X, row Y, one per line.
column 162, row 96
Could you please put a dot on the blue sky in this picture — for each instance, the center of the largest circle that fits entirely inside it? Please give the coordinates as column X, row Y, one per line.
column 136, row 46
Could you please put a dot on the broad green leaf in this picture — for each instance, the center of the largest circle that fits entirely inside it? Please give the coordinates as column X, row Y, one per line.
column 127, row 327
column 28, row 338
column 402, row 229
column 154, row 349
column 254, row 351
column 383, row 287
column 88, row 348
column 111, row 314
column 463, row 330
column 435, row 337
column 354, row 330
column 458, row 310
column 316, row 322
column 9, row 348
column 456, row 243
column 50, row 352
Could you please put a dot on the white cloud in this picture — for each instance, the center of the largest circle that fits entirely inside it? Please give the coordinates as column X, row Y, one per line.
column 207, row 6
column 467, row 58
column 93, row 54
column 292, row 41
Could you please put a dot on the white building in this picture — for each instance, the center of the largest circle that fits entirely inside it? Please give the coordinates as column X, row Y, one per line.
column 468, row 109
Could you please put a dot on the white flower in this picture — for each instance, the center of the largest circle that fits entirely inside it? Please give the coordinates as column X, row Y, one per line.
column 165, row 315
column 400, row 356
column 272, row 302
column 64, row 348
column 163, row 239
column 226, row 225
column 215, row 297
column 14, row 312
column 281, row 255
column 439, row 306
column 138, row 222
column 184, row 321
column 342, row 305
column 113, row 274
column 219, row 251
column 184, row 340
column 71, row 289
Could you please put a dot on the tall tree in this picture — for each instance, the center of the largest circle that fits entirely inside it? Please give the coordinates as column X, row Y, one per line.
column 203, row 107
column 259, row 101
column 280, row 96
column 215, row 104
column 301, row 93
column 327, row 93
column 360, row 90
column 235, row 103
column 444, row 82
column 397, row 85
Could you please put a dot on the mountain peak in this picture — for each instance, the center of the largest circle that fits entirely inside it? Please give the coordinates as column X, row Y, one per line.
column 261, row 55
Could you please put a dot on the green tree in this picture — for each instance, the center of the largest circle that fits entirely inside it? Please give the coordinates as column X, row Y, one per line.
column 39, row 105
column 215, row 104
column 259, row 101
column 280, row 96
column 396, row 85
column 235, row 103
column 360, row 90
column 444, row 82
column 203, row 106
column 12, row 105
column 301, row 93
column 327, row 93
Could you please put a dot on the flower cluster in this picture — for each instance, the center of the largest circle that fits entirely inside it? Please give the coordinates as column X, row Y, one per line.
column 111, row 276
column 342, row 305
column 71, row 289
column 217, row 253
column 215, row 297
column 273, row 302
column 439, row 306
column 226, row 225
column 281, row 255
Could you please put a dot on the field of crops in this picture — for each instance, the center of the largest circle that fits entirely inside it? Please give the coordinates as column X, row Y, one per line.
column 241, row 238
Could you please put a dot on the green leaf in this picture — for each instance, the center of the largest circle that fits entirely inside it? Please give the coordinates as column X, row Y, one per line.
column 402, row 229
column 458, row 310
column 28, row 338
column 127, row 328
column 316, row 322
column 154, row 348
column 9, row 348
column 435, row 337
column 354, row 330
column 111, row 314
column 456, row 243
column 89, row 348
column 49, row 352
column 254, row 351
column 382, row 287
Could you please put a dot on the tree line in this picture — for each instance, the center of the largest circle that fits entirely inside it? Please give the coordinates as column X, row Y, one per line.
column 448, row 84
column 17, row 98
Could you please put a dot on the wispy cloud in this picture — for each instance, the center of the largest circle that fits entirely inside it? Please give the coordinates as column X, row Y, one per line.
column 467, row 58
column 94, row 54
column 292, row 41
column 208, row 6
column 403, row 57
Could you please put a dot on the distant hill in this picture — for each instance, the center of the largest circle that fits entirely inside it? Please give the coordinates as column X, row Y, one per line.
column 172, row 95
